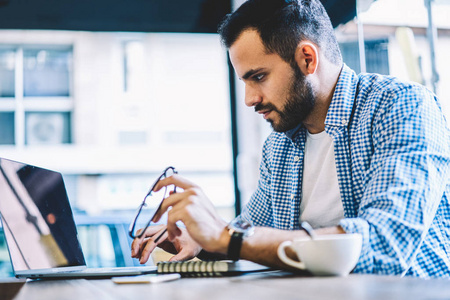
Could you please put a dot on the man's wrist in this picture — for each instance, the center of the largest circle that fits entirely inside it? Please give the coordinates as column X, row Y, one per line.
column 219, row 245
column 238, row 229
column 224, row 241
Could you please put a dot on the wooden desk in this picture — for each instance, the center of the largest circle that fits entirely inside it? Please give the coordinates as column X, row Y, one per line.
column 273, row 286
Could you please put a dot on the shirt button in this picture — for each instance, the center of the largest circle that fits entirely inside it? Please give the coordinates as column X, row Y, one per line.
column 292, row 196
column 296, row 158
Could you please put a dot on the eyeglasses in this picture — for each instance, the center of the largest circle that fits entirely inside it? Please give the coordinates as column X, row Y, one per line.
column 146, row 211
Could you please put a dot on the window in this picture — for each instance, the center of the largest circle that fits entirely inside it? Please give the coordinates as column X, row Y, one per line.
column 35, row 95
column 7, row 125
column 7, row 62
column 376, row 53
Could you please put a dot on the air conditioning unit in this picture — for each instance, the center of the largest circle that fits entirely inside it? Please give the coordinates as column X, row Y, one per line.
column 44, row 128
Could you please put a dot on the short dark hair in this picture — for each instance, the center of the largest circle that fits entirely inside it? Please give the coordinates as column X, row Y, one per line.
column 282, row 24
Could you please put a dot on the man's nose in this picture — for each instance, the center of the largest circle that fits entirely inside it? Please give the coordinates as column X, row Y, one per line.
column 252, row 97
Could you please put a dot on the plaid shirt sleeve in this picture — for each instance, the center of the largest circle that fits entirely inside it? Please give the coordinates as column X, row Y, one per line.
column 259, row 208
column 404, row 206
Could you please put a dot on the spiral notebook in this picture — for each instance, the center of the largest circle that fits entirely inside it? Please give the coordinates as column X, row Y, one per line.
column 199, row 268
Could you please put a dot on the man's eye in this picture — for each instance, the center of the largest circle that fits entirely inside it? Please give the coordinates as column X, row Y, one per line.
column 258, row 77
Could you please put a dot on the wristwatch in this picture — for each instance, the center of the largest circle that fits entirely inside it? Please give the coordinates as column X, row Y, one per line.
column 239, row 228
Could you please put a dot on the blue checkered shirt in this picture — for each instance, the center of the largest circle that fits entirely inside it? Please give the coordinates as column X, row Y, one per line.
column 392, row 152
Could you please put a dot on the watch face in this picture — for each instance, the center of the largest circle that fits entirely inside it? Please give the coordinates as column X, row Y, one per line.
column 242, row 225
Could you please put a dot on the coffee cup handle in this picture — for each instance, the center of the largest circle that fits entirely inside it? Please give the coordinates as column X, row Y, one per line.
column 284, row 258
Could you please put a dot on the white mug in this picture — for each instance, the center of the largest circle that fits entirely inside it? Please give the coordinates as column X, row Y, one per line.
column 335, row 254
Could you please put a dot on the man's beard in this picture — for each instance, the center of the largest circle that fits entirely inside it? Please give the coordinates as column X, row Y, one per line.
column 299, row 103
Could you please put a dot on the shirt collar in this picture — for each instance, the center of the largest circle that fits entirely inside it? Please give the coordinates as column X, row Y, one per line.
column 291, row 133
column 341, row 106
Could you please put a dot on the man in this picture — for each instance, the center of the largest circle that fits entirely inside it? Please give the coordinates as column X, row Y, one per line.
column 349, row 153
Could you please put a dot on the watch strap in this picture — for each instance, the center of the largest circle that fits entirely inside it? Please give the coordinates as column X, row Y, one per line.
column 234, row 247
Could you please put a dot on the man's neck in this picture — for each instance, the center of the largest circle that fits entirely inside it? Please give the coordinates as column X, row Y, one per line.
column 324, row 86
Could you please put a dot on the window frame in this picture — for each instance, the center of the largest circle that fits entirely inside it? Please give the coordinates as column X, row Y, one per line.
column 20, row 105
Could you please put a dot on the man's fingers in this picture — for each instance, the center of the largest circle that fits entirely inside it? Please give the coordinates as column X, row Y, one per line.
column 137, row 242
column 151, row 244
column 177, row 180
column 136, row 245
column 174, row 215
column 174, row 233
column 146, row 251
column 167, row 203
column 151, row 233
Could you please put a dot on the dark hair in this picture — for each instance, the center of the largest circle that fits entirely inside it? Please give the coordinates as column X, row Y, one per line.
column 282, row 24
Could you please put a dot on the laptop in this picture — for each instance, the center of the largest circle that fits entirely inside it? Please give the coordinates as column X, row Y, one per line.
column 39, row 227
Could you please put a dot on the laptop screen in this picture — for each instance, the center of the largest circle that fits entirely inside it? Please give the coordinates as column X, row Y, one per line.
column 37, row 219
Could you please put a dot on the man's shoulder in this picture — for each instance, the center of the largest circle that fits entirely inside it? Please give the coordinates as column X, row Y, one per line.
column 372, row 93
column 372, row 84
column 383, row 93
column 386, row 100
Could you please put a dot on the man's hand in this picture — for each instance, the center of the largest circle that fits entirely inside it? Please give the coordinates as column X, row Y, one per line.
column 182, row 246
column 195, row 210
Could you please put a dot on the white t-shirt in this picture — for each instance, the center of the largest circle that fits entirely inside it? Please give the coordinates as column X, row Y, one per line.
column 321, row 204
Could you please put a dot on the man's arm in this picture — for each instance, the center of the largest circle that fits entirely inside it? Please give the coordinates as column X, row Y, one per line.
column 208, row 229
column 262, row 246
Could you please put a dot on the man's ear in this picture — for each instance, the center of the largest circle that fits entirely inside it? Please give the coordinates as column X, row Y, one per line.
column 307, row 57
